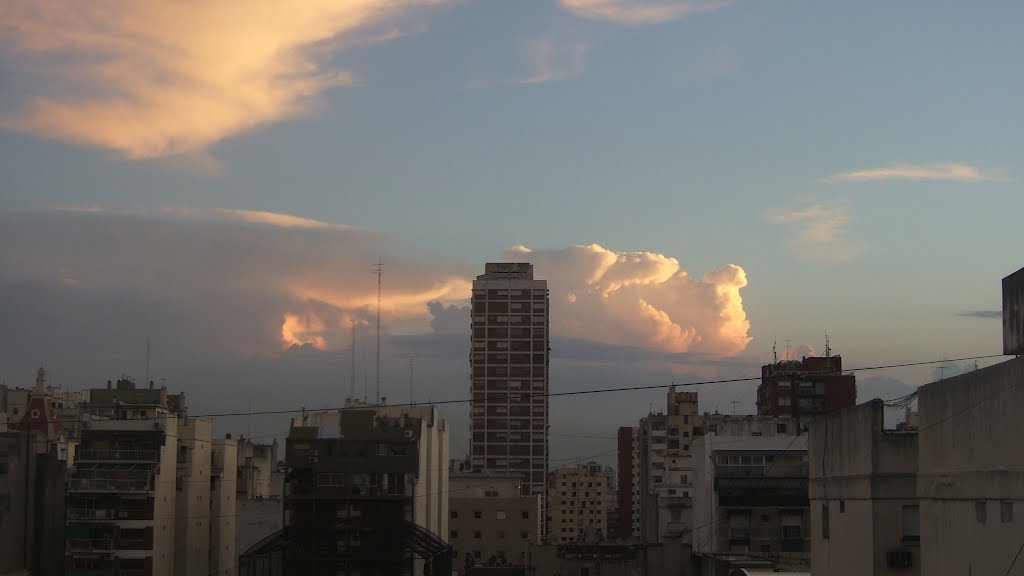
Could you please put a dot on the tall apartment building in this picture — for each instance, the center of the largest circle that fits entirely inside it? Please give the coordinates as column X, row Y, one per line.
column 259, row 489
column 578, row 503
column 509, row 362
column 366, row 493
column 666, row 468
column 805, row 389
column 491, row 522
column 628, row 489
column 146, row 496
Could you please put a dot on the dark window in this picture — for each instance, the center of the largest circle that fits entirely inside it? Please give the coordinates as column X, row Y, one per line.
column 525, row 534
column 526, row 514
column 791, row 533
column 455, row 513
column 981, row 511
column 476, row 534
column 455, row 534
column 824, row 521
column 478, row 514
column 842, row 506
column 911, row 524
column 1006, row 512
column 780, row 428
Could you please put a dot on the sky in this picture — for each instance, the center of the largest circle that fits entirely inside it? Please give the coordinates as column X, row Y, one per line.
column 699, row 182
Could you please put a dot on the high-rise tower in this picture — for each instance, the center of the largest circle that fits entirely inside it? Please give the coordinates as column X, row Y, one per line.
column 509, row 360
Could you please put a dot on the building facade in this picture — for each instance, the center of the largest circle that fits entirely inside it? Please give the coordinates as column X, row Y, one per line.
column 578, row 499
column 509, row 364
column 366, row 493
column 865, row 517
column 805, row 389
column 751, row 501
column 629, row 483
column 258, row 492
column 492, row 523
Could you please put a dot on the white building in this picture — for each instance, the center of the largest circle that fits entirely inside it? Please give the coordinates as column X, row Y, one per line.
column 578, row 499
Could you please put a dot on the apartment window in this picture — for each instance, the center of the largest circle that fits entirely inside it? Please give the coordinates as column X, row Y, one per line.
column 780, row 428
column 382, row 450
column 490, row 493
column 476, row 554
column 525, row 534
column 478, row 514
column 501, row 534
column 981, row 511
column 526, row 514
column 500, row 515
column 454, row 534
column 824, row 521
column 911, row 524
column 455, row 514
column 476, row 535
column 1006, row 512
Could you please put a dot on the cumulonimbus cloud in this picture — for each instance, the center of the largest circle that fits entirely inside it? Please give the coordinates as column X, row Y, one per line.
column 641, row 299
column 823, row 232
column 949, row 172
column 152, row 79
column 639, row 11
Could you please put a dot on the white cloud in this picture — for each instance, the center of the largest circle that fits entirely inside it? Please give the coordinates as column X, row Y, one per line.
column 948, row 172
column 551, row 59
column 639, row 11
column 823, row 232
column 152, row 79
column 641, row 299
column 225, row 214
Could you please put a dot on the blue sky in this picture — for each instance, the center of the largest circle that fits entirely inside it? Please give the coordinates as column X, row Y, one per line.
column 859, row 161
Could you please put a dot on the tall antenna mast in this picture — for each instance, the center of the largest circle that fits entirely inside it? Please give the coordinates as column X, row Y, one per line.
column 352, row 382
column 775, row 353
column 379, row 267
column 828, row 349
column 411, row 358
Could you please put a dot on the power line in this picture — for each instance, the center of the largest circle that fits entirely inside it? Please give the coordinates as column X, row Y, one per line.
column 531, row 394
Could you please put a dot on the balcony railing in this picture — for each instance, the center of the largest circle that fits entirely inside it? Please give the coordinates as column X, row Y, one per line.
column 90, row 514
column 91, row 543
column 118, row 455
column 109, row 485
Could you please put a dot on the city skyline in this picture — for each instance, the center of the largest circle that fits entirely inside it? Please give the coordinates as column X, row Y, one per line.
column 700, row 182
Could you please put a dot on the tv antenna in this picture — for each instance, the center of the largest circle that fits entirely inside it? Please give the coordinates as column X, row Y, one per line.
column 379, row 269
column 788, row 346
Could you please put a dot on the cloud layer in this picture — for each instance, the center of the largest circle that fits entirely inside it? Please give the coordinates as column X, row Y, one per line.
column 641, row 299
column 639, row 11
column 822, row 232
column 151, row 79
column 948, row 172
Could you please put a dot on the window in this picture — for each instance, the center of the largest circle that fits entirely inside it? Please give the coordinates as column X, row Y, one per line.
column 824, row 521
column 526, row 514
column 525, row 534
column 501, row 534
column 791, row 532
column 382, row 450
column 476, row 554
column 455, row 514
column 476, row 534
column 500, row 515
column 1006, row 512
column 780, row 428
column 911, row 524
column 454, row 534
column 980, row 511
column 478, row 514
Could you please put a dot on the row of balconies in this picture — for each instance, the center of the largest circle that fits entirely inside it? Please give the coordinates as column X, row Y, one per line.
column 89, row 514
column 118, row 456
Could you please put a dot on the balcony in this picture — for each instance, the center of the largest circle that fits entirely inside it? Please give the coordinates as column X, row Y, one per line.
column 116, row 478
column 90, row 544
column 118, row 456
column 91, row 514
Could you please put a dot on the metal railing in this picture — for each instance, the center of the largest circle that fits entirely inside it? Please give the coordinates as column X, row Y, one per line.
column 91, row 543
column 118, row 455
column 90, row 514
column 110, row 484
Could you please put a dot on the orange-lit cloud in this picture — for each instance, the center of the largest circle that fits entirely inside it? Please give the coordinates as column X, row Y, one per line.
column 641, row 299
column 151, row 79
column 948, row 172
column 639, row 11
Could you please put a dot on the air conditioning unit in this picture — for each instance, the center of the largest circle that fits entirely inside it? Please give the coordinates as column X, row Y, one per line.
column 899, row 559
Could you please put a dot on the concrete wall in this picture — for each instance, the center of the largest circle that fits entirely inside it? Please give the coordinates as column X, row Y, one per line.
column 223, row 555
column 970, row 455
column 861, row 477
column 498, row 536
column 192, row 507
column 256, row 520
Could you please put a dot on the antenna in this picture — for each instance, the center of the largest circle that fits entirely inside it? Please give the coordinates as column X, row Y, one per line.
column 147, row 361
column 828, row 348
column 353, row 380
column 775, row 353
column 788, row 345
column 734, row 403
column 379, row 268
